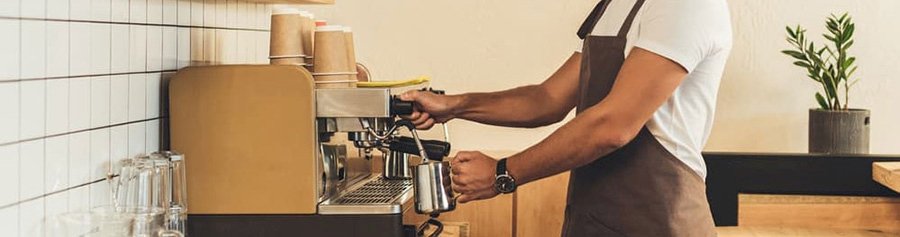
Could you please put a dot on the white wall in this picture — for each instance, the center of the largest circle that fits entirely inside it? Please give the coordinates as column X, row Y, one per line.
column 80, row 87
column 475, row 45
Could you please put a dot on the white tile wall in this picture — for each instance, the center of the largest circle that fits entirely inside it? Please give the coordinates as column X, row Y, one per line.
column 80, row 88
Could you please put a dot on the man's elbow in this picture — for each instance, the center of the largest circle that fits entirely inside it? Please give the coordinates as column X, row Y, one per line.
column 612, row 135
column 549, row 119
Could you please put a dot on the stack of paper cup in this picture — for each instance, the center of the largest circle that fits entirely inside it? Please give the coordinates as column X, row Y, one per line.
column 331, row 66
column 286, row 45
column 351, row 50
column 307, row 30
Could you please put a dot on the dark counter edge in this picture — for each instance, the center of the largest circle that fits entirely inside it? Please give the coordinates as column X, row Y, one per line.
column 296, row 225
column 730, row 174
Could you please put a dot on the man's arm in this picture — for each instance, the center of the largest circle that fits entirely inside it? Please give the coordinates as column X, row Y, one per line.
column 645, row 81
column 527, row 106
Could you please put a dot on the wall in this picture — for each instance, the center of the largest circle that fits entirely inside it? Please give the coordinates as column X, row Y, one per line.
column 80, row 85
column 471, row 45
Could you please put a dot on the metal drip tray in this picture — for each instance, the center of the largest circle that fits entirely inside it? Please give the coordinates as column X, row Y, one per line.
column 374, row 196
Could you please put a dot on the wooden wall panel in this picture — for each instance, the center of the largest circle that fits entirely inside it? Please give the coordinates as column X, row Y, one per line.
column 540, row 207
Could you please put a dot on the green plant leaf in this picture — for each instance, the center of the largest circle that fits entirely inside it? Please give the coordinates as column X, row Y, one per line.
column 795, row 54
column 802, row 64
column 821, row 100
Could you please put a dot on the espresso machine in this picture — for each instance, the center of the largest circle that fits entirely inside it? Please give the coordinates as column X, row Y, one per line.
column 271, row 155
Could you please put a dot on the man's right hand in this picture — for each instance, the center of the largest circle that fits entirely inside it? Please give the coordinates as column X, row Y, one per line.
column 431, row 108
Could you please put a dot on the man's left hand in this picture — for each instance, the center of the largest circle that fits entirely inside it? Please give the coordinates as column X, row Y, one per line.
column 473, row 175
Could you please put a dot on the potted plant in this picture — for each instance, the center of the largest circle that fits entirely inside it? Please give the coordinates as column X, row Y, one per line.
column 834, row 127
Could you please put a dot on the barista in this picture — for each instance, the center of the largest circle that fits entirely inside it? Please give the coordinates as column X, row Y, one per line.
column 644, row 88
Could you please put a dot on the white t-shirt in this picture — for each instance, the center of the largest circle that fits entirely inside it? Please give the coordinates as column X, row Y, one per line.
column 695, row 34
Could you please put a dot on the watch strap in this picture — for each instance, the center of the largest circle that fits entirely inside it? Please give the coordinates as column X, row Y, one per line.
column 501, row 167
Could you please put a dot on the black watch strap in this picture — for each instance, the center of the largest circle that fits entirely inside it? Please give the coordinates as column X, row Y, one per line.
column 501, row 167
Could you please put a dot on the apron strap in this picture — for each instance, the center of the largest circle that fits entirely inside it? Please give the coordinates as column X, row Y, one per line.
column 588, row 25
column 626, row 26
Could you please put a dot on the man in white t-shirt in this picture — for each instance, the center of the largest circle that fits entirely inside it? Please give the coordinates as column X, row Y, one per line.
column 644, row 86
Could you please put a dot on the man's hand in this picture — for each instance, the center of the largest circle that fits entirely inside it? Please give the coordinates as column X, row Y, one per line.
column 431, row 108
column 473, row 175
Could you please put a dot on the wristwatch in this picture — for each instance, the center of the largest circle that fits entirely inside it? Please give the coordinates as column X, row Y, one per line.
column 504, row 183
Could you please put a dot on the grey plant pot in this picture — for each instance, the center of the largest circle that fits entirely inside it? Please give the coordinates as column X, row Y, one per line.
column 839, row 131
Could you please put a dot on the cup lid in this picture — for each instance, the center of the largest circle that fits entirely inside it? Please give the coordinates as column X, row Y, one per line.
column 321, row 22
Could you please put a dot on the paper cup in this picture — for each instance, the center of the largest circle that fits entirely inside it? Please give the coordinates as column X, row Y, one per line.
column 331, row 62
column 307, row 32
column 351, row 49
column 286, row 37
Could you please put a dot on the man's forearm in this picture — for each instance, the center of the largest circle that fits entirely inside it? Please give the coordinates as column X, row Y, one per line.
column 525, row 106
column 577, row 143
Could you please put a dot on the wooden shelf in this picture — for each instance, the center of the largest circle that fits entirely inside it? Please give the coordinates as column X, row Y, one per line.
column 887, row 173
column 329, row 2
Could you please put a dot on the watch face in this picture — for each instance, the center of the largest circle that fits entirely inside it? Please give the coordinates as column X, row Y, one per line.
column 505, row 184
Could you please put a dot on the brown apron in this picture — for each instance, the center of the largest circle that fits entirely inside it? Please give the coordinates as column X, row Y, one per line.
column 640, row 189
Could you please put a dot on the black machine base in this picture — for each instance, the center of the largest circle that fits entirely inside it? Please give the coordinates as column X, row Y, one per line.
column 296, row 225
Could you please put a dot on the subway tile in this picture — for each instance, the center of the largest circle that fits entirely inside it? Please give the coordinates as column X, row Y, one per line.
column 9, row 8
column 138, row 48
column 31, row 169
column 101, row 10
column 153, row 94
column 196, row 46
column 31, row 218
column 79, row 199
column 81, row 9
column 243, row 54
column 34, row 49
column 9, row 118
column 9, row 174
column 137, row 136
column 100, row 101
column 209, row 13
column 33, row 8
column 137, row 11
column 154, row 11
column 79, row 158
column 9, row 221
column 152, row 142
column 184, row 12
column 221, row 13
column 100, row 194
column 137, row 97
column 118, row 99
column 57, row 106
column 56, row 166
column 100, row 153
column 119, row 48
column 169, row 12
column 79, row 103
column 154, row 48
column 169, row 48
column 184, row 47
column 9, row 45
column 57, row 49
column 231, row 9
column 198, row 8
column 262, row 47
column 32, row 115
column 243, row 16
column 210, row 52
column 54, row 205
column 60, row 9
column 80, row 46
column 225, row 46
column 119, row 10
column 101, row 48
column 266, row 16
column 118, row 146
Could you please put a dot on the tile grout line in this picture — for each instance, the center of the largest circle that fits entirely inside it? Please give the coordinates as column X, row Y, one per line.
column 79, row 131
column 129, row 23
column 55, row 192
column 86, row 75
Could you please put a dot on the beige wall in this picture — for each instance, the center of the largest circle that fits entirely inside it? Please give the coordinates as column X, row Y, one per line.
column 476, row 45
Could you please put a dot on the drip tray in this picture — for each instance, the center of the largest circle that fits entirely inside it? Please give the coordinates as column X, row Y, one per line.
column 375, row 196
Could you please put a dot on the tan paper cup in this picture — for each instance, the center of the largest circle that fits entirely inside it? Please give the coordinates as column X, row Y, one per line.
column 351, row 49
column 286, row 38
column 331, row 60
column 307, row 30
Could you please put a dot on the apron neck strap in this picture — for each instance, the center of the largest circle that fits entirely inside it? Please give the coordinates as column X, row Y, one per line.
column 626, row 26
column 588, row 25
